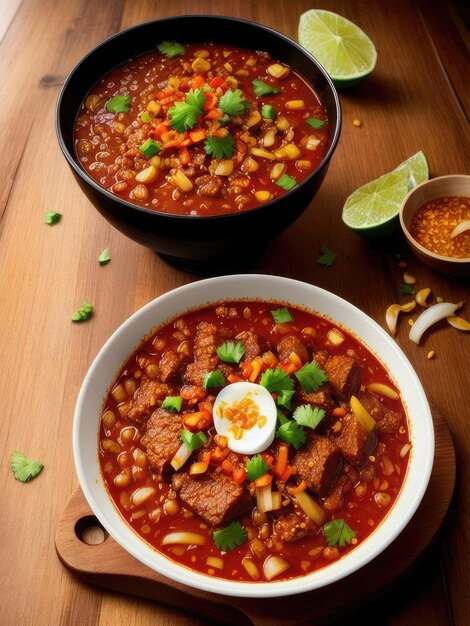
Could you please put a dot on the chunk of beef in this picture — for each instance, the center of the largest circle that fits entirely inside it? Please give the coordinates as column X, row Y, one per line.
column 206, row 343
column 208, row 185
column 334, row 501
column 321, row 398
column 254, row 344
column 318, row 463
column 294, row 526
column 213, row 496
column 355, row 442
column 169, row 365
column 148, row 397
column 344, row 376
column 390, row 422
column 289, row 344
column 371, row 403
column 321, row 357
column 196, row 372
column 162, row 440
column 387, row 421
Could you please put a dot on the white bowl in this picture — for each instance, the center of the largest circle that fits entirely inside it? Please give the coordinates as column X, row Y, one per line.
column 255, row 287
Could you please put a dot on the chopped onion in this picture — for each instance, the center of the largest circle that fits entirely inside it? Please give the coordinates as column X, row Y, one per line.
column 264, row 498
column 276, row 497
column 251, row 568
column 185, row 538
column 391, row 315
column 273, row 566
column 182, row 455
column 458, row 322
column 430, row 316
column 215, row 561
column 141, row 495
column 335, row 337
column 310, row 507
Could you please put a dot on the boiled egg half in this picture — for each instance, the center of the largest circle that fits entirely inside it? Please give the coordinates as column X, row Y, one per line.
column 245, row 413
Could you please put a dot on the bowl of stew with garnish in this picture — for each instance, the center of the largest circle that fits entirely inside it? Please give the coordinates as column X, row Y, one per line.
column 201, row 137
column 252, row 436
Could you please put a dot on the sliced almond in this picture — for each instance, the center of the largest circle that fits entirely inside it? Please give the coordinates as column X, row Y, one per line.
column 383, row 390
column 422, row 296
column 391, row 315
column 458, row 322
column 409, row 279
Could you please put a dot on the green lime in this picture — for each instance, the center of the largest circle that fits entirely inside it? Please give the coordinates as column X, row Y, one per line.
column 372, row 210
column 345, row 51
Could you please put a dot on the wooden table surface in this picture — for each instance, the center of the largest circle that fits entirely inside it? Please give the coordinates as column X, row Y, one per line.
column 417, row 99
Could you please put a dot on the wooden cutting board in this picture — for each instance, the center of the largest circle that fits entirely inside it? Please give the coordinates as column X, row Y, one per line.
column 86, row 549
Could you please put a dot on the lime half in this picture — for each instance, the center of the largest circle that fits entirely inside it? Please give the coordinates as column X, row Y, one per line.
column 345, row 51
column 372, row 210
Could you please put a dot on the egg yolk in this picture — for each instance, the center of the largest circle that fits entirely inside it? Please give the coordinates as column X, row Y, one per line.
column 243, row 415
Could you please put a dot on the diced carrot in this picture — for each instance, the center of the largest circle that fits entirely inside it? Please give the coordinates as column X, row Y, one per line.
column 160, row 129
column 339, row 411
column 192, row 393
column 197, row 82
column 198, row 135
column 219, row 454
column 184, row 156
column 256, row 364
column 282, row 458
column 205, row 406
column 201, row 466
column 214, row 114
column 165, row 92
column 239, row 475
column 302, row 486
column 211, row 101
column 247, row 369
column 286, row 474
column 218, row 81
column 268, row 458
column 288, row 367
column 227, row 467
column 264, row 480
column 172, row 138
column 295, row 359
column 233, row 378
column 198, row 419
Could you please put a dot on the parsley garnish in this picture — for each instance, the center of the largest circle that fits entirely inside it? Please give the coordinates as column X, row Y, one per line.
column 52, row 217
column 230, row 537
column 311, row 377
column 256, row 467
column 231, row 351
column 281, row 315
column 170, row 49
column 220, row 148
column 327, row 257
column 291, row 432
column 276, row 380
column 83, row 313
column 183, row 115
column 337, row 532
column 193, row 441
column 268, row 112
column 262, row 89
column 214, row 379
column 231, row 102
column 408, row 289
column 172, row 403
column 104, row 257
column 315, row 122
column 309, row 416
column 24, row 469
column 284, row 398
column 286, row 182
column 119, row 104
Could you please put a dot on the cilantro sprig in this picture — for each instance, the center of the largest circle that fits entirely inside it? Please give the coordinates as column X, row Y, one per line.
column 193, row 441
column 260, row 88
column 282, row 315
column 291, row 432
column 220, row 148
column 337, row 532
column 256, row 467
column 231, row 351
column 213, row 379
column 276, row 380
column 284, row 398
column 104, row 257
column 170, row 49
column 230, row 537
column 308, row 416
column 24, row 469
column 184, row 115
column 232, row 102
column 83, row 313
column 119, row 104
column 327, row 257
column 311, row 377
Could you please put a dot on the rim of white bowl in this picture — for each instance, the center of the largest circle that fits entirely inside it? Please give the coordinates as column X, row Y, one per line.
column 245, row 287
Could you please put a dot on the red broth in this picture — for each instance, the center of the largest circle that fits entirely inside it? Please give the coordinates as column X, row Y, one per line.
column 189, row 134
column 361, row 495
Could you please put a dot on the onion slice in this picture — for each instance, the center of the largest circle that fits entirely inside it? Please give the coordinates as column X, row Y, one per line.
column 184, row 538
column 430, row 316
column 274, row 565
column 458, row 322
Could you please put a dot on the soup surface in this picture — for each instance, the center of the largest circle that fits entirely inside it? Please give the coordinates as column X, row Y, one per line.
column 201, row 129
column 253, row 442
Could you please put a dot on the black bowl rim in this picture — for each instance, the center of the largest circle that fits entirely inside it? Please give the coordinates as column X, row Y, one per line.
column 83, row 174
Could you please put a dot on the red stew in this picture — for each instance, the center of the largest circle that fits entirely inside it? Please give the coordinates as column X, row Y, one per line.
column 329, row 477
column 211, row 130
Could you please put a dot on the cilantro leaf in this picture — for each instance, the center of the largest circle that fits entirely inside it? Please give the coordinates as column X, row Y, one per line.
column 276, row 380
column 309, row 416
column 337, row 532
column 183, row 115
column 284, row 398
column 327, row 257
column 261, row 88
column 281, row 417
column 281, row 315
column 230, row 537
column 172, row 403
column 214, row 379
column 231, row 351
column 256, row 467
column 24, row 469
column 291, row 432
column 170, row 49
column 52, row 217
column 407, row 289
column 220, row 148
column 104, row 257
column 311, row 376
column 286, row 182
column 268, row 112
column 193, row 441
column 315, row 122
column 231, row 102
column 83, row 313
column 119, row 104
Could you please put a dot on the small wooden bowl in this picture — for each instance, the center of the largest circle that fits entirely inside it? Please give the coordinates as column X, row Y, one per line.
column 454, row 185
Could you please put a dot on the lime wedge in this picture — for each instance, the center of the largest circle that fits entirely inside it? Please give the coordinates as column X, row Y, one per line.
column 372, row 210
column 345, row 51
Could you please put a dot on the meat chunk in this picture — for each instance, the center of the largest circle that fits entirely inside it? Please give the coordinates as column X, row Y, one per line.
column 254, row 345
column 321, row 398
column 162, row 440
column 213, row 496
column 206, row 343
column 388, row 421
column 289, row 344
column 318, row 463
column 294, row 526
column 148, row 397
column 334, row 501
column 196, row 372
column 208, row 185
column 169, row 365
column 321, row 357
column 344, row 376
column 355, row 442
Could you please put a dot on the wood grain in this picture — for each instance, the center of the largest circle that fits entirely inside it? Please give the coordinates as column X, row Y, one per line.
column 417, row 98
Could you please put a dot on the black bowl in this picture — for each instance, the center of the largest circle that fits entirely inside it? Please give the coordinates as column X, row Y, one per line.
column 211, row 244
